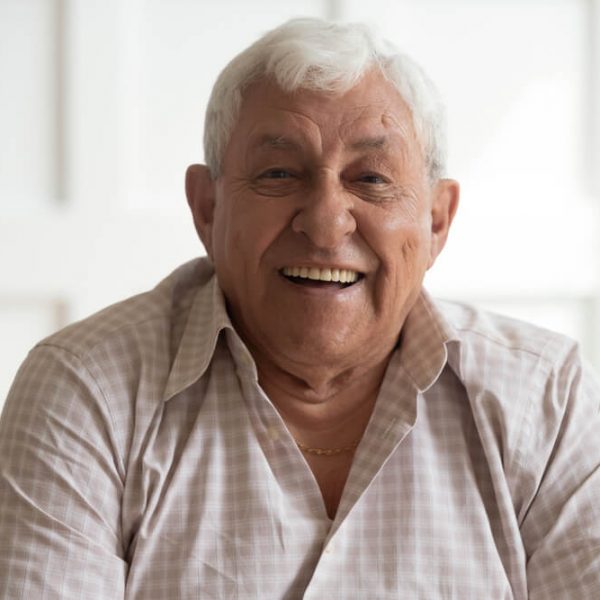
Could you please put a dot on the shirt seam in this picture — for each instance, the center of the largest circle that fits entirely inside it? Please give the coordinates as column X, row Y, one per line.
column 85, row 352
column 81, row 361
column 538, row 354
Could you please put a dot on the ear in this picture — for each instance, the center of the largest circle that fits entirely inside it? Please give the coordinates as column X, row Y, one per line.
column 445, row 195
column 200, row 192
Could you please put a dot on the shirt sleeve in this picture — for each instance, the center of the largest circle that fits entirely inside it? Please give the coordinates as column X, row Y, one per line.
column 561, row 530
column 61, row 484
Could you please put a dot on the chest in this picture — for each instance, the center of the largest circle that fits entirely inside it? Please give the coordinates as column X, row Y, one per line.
column 233, row 509
column 331, row 474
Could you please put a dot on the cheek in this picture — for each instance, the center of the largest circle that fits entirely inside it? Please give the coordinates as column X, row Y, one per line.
column 410, row 250
column 229, row 244
column 399, row 240
column 246, row 227
column 415, row 253
column 221, row 231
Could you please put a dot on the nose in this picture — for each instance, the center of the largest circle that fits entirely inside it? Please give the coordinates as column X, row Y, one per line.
column 325, row 216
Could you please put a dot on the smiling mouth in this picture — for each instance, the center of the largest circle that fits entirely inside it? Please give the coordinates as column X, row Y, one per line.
column 341, row 278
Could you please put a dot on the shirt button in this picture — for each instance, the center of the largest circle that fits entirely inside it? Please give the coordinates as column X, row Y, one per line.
column 329, row 548
column 273, row 433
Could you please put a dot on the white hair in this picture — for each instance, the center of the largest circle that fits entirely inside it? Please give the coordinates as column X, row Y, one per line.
column 330, row 57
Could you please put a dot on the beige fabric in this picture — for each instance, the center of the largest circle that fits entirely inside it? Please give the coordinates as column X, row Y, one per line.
column 139, row 458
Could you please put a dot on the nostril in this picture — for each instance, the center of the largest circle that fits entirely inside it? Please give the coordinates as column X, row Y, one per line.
column 325, row 229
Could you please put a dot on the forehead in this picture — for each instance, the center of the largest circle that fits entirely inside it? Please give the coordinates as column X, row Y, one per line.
column 371, row 109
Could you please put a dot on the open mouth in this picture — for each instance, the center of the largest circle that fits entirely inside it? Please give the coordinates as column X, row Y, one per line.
column 314, row 276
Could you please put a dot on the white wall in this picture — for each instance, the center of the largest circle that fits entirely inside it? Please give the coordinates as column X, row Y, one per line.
column 102, row 107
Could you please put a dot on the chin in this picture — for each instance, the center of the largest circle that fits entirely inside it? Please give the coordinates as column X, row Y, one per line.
column 322, row 347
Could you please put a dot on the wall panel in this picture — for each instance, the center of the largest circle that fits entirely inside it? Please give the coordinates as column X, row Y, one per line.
column 29, row 161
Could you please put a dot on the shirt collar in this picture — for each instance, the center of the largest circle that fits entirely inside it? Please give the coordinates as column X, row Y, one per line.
column 424, row 348
column 206, row 319
column 426, row 339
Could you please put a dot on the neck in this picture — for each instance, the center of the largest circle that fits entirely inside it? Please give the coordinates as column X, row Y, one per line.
column 326, row 408
column 326, row 411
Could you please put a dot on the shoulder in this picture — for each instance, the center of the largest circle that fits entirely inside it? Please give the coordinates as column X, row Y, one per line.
column 533, row 399
column 522, row 381
column 122, row 354
column 145, row 319
column 111, row 368
column 495, row 337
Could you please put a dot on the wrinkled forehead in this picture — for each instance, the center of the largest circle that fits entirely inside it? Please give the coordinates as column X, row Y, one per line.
column 371, row 113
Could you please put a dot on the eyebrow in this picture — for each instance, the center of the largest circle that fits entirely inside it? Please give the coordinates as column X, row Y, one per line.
column 281, row 142
column 370, row 143
column 276, row 142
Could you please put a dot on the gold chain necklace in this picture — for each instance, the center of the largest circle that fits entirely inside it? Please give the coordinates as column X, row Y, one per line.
column 326, row 451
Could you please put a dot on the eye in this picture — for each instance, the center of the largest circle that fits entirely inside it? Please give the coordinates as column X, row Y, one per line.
column 372, row 178
column 276, row 174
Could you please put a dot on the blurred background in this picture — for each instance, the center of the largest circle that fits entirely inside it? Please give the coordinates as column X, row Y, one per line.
column 101, row 110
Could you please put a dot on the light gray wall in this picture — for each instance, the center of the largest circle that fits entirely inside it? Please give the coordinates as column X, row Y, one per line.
column 102, row 106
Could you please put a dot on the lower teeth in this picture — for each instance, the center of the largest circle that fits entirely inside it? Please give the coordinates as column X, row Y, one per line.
column 302, row 280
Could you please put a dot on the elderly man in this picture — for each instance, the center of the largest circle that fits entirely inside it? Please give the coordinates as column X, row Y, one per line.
column 293, row 416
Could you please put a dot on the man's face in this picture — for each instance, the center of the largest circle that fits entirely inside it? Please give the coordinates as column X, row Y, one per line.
column 323, row 223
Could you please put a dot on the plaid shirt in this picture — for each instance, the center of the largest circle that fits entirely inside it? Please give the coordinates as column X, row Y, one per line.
column 140, row 458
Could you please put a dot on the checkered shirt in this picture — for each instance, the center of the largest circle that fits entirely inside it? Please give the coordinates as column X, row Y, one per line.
column 140, row 459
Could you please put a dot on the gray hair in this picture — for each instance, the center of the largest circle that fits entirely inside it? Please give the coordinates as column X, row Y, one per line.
column 330, row 57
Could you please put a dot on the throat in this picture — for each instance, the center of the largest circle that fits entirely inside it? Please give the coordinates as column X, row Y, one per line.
column 327, row 428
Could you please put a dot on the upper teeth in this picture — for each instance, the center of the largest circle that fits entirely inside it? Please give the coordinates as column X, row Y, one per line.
column 338, row 275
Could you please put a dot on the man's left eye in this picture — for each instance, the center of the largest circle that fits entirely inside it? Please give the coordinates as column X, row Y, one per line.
column 372, row 178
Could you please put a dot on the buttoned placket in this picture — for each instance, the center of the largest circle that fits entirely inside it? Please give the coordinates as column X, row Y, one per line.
column 392, row 421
